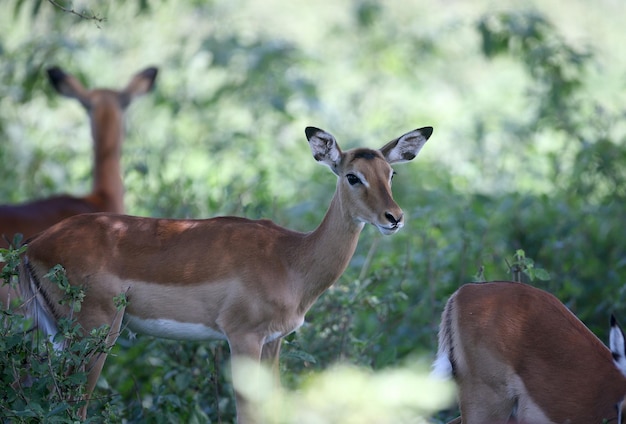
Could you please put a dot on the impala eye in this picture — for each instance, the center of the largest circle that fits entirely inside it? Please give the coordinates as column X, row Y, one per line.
column 353, row 179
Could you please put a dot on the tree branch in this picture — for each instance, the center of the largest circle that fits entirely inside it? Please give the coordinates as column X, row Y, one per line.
column 91, row 16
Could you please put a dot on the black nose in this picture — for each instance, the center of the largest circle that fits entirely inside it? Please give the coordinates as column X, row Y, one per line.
column 393, row 219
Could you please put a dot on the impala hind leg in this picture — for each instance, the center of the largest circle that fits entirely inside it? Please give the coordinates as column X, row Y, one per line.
column 95, row 365
column 483, row 404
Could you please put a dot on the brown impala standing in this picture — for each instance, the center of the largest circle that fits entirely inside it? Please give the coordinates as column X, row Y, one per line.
column 518, row 355
column 245, row 281
column 106, row 112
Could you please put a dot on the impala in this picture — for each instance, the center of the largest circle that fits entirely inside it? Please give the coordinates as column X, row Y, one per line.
column 519, row 355
column 106, row 111
column 245, row 281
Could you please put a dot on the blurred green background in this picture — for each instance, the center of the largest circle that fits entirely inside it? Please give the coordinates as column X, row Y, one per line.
column 526, row 98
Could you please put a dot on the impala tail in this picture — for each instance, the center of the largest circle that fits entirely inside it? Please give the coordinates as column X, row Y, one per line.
column 35, row 304
column 442, row 366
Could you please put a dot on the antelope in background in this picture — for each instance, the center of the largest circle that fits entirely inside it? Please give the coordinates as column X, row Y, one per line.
column 106, row 109
column 519, row 355
column 249, row 282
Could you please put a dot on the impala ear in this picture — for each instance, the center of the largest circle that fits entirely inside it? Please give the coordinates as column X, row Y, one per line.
column 140, row 84
column 66, row 84
column 406, row 147
column 324, row 147
column 617, row 345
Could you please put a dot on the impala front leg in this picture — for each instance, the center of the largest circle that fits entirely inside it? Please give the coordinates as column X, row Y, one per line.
column 270, row 356
column 245, row 356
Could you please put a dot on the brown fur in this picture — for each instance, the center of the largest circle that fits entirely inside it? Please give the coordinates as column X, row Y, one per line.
column 516, row 350
column 106, row 109
column 250, row 281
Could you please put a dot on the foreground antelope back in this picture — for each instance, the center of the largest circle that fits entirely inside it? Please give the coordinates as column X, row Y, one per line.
column 519, row 355
column 105, row 108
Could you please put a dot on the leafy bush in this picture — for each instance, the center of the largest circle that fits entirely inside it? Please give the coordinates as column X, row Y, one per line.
column 527, row 156
column 44, row 383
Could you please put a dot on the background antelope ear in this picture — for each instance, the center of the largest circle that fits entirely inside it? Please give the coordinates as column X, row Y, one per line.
column 66, row 84
column 406, row 147
column 324, row 147
column 140, row 84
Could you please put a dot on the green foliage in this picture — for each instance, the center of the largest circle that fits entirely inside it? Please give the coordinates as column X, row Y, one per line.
column 10, row 258
column 72, row 295
column 556, row 67
column 523, row 265
column 348, row 394
column 526, row 159
column 41, row 383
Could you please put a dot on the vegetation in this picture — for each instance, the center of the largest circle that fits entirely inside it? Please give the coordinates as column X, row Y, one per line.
column 524, row 163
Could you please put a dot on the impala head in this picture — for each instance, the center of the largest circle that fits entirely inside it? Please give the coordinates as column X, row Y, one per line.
column 70, row 86
column 106, row 109
column 364, row 185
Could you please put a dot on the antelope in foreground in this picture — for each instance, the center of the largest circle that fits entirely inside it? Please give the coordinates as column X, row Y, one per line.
column 106, row 112
column 244, row 281
column 518, row 355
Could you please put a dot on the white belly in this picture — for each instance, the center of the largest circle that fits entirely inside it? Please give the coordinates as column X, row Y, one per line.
column 170, row 329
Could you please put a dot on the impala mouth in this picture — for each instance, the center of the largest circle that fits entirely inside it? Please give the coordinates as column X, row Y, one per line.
column 391, row 229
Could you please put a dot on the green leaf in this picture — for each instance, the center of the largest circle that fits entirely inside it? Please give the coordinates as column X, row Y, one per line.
column 542, row 274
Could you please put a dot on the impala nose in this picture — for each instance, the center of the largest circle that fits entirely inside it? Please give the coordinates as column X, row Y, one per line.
column 393, row 220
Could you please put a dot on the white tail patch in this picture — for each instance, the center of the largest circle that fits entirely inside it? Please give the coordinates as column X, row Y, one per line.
column 442, row 367
column 37, row 308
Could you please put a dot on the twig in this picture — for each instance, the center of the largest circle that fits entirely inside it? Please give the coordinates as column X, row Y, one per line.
column 91, row 16
column 369, row 257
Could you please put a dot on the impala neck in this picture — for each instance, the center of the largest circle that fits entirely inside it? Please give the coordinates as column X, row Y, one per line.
column 107, row 132
column 326, row 252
